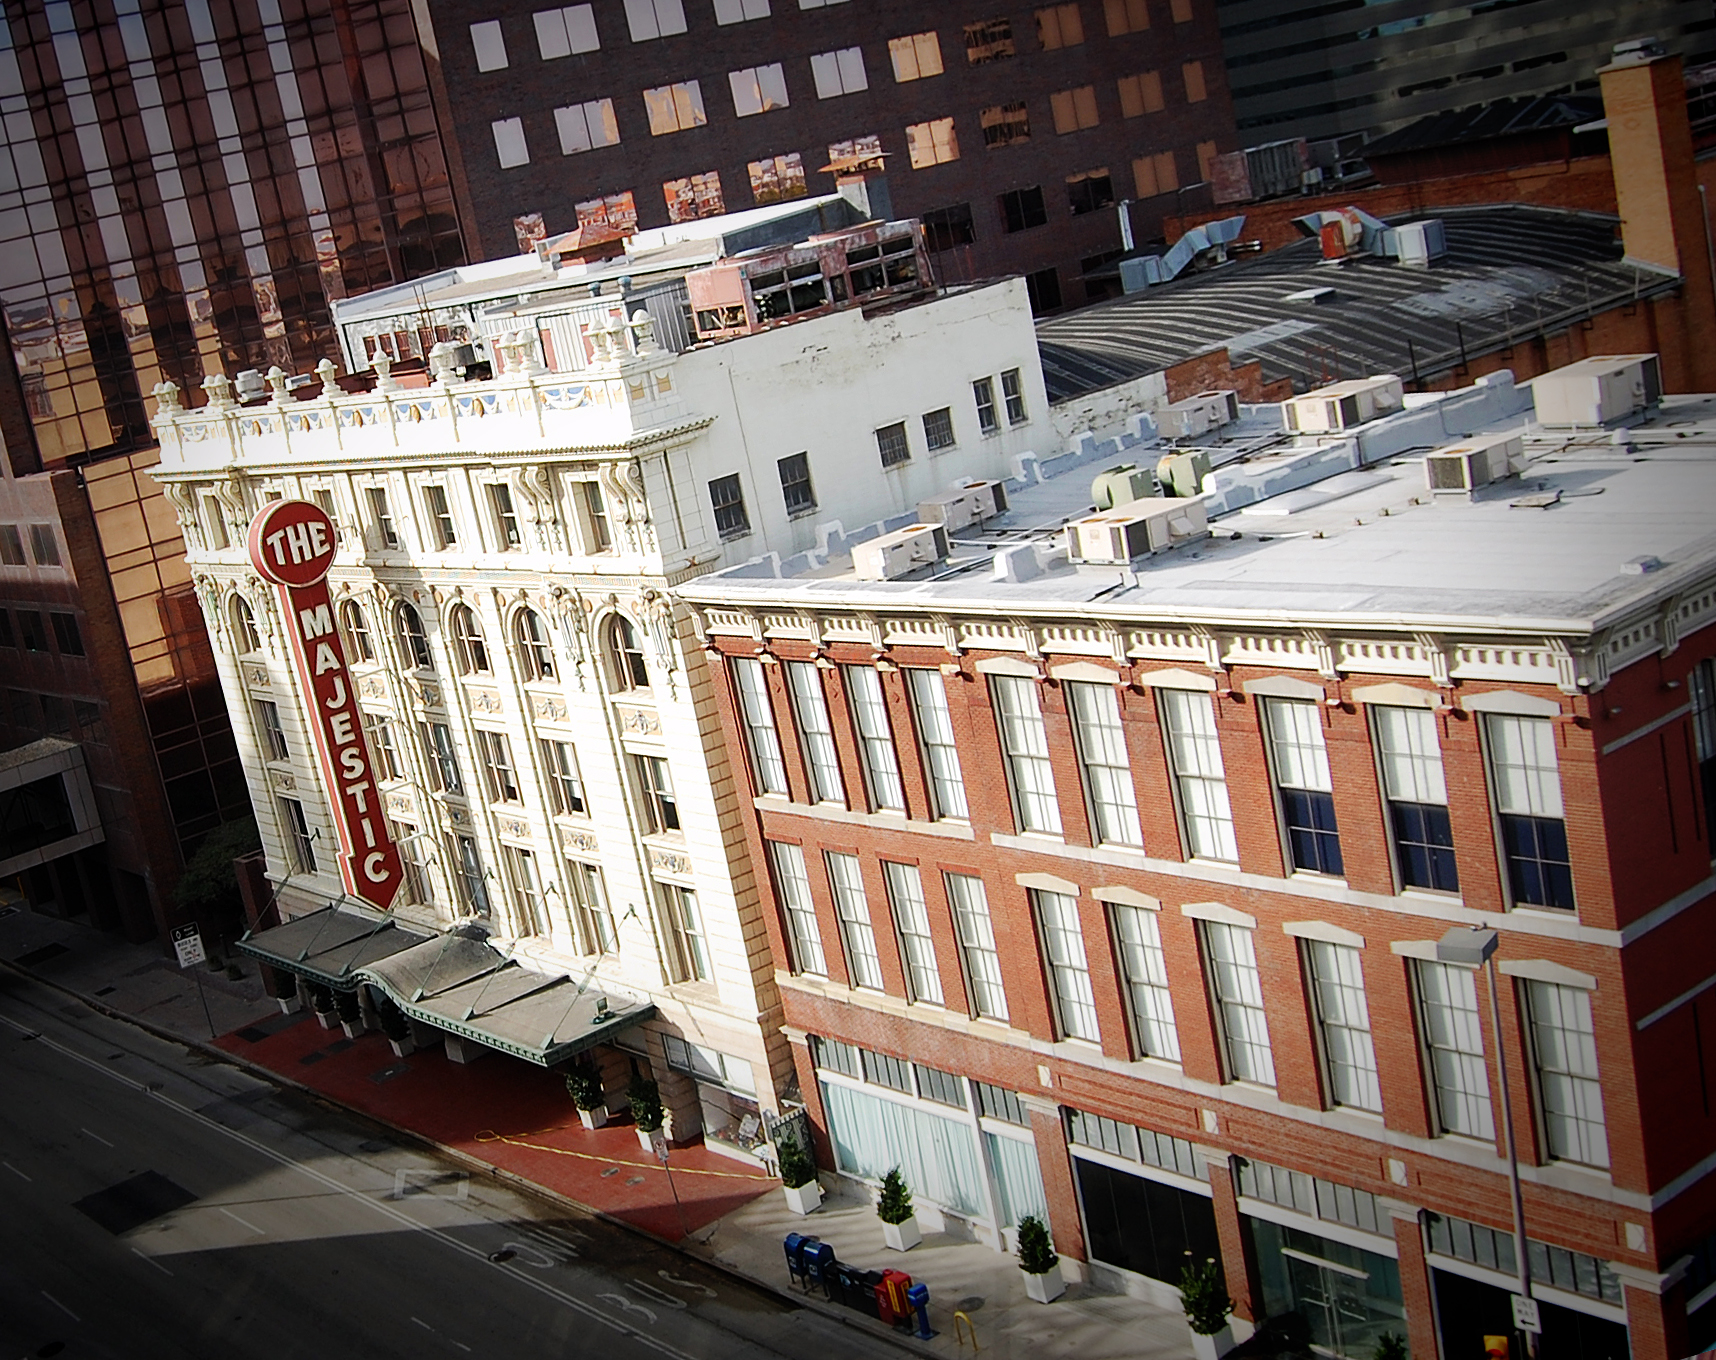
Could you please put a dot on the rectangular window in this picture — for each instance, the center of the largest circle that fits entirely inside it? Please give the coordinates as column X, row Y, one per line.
column 526, row 891
column 468, row 877
column 1155, row 175
column 1412, row 783
column 694, row 197
column 379, row 732
column 67, row 637
column 34, row 635
column 674, row 108
column 934, row 724
column 443, row 762
column 1343, row 1024
column 1013, row 393
column 213, row 521
column 510, row 147
column 1193, row 74
column 852, row 908
column 1090, row 191
column 1069, row 971
column 1207, row 155
column 1102, row 755
column 561, row 32
column 997, row 1102
column 942, row 1087
column 489, row 45
column 593, row 916
column 1043, row 287
column 1569, row 1093
column 600, row 537
column 883, row 1069
column 838, row 73
column 7, row 639
column 891, row 444
column 1004, row 124
column 1144, row 969
column 739, row 11
column 273, row 736
column 1059, row 26
column 1181, row 10
column 565, row 788
column 796, row 491
column 584, row 127
column 498, row 774
column 1200, row 783
column 725, row 495
column 300, row 846
column 44, row 547
column 1022, row 209
column 380, row 517
column 506, row 518
column 1141, row 94
column 983, row 394
column 945, row 228
column 1025, row 747
column 757, row 89
column 938, row 429
column 1238, row 994
column 11, row 546
column 1299, row 762
column 440, row 516
column 1526, row 782
column 758, row 715
column 990, row 40
column 911, row 924
column 777, row 178
column 1126, row 16
column 977, row 952
column 915, row 56
column 654, row 18
column 687, row 947
column 1703, row 687
column 612, row 218
column 655, row 784
column 831, row 1055
column 876, row 737
column 815, row 732
column 1074, row 110
column 1453, row 1038
column 932, row 143
column 792, row 883
column 412, row 860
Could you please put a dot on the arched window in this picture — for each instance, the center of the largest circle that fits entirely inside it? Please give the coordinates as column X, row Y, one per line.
column 468, row 645
column 533, row 647
column 244, row 634
column 625, row 654
column 357, row 631
column 413, row 641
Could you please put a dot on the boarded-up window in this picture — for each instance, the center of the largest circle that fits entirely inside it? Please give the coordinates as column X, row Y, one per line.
column 1126, row 16
column 1059, row 26
column 989, row 41
column 838, row 73
column 510, row 146
column 693, row 197
column 757, row 89
column 1156, row 174
column 1193, row 71
column 584, row 127
column 489, row 45
column 1206, row 161
column 1141, row 94
column 915, row 56
column 1074, row 109
column 777, row 178
column 673, row 108
column 932, row 143
column 561, row 32
column 1182, row 11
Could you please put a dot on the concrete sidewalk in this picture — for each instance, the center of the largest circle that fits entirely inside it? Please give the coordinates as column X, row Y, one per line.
column 516, row 1119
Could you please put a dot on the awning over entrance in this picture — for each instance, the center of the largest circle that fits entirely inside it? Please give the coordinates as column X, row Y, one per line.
column 330, row 946
column 462, row 984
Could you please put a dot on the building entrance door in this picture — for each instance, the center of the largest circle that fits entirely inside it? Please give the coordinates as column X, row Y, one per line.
column 1334, row 1299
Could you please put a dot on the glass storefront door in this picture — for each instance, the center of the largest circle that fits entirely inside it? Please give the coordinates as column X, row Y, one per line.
column 1349, row 1297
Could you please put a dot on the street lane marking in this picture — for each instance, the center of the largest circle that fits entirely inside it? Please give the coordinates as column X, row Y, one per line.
column 247, row 1223
column 141, row 1256
column 432, row 1332
column 14, row 1170
column 629, row 1306
column 98, row 1138
column 57, row 1304
column 703, row 1289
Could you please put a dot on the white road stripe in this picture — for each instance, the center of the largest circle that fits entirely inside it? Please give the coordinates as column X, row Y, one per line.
column 98, row 1138
column 141, row 1256
column 57, row 1304
column 14, row 1170
column 247, row 1223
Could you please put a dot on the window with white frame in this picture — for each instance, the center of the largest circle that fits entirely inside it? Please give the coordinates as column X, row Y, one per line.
column 983, row 394
column 498, row 770
column 1144, row 970
column 687, row 946
column 591, row 913
column 934, row 725
column 840, row 72
column 440, row 516
column 213, row 522
column 511, row 149
column 626, row 663
column 911, row 924
column 380, row 516
column 977, row 953
column 379, row 731
column 655, row 18
column 443, row 761
column 674, row 108
column 274, row 745
column 797, row 494
column 758, row 715
column 561, row 32
column 1525, row 778
column 357, row 631
column 565, row 788
column 508, row 538
column 852, row 908
column 526, row 890
column 1025, row 747
column 915, row 56
column 300, row 844
column 1013, row 393
column 727, row 498
column 1569, row 1091
column 414, row 860
column 1069, row 970
column 587, row 126
column 655, row 787
column 1102, row 755
column 469, row 650
column 1343, row 1024
column 757, row 89
column 938, row 429
column 413, row 641
column 1304, row 792
column 535, row 654
column 1412, row 782
column 1238, row 993
column 593, row 517
column 469, row 878
column 1200, row 780
column 489, row 45
column 792, row 883
column 815, row 732
column 245, row 638
column 1453, row 1039
column 739, row 11
column 876, row 738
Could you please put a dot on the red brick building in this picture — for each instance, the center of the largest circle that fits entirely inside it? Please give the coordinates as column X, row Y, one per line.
column 1111, row 890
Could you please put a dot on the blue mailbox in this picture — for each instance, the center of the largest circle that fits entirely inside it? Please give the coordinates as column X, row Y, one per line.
column 819, row 1265
column 794, row 1245
column 917, row 1298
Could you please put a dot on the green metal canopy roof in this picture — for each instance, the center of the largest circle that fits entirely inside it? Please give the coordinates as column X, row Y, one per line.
column 329, row 946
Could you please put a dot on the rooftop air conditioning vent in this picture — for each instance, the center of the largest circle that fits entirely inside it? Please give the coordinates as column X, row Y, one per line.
column 1457, row 470
column 1341, row 406
column 894, row 555
column 1604, row 390
column 966, row 506
column 1198, row 415
column 1118, row 485
column 1135, row 530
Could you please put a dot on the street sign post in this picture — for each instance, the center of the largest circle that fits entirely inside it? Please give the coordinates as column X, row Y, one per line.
column 1525, row 1314
column 188, row 945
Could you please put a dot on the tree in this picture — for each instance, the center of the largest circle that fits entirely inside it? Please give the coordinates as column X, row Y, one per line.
column 208, row 889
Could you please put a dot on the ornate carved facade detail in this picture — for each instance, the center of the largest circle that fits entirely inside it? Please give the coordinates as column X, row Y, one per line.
column 581, row 841
column 638, row 722
column 283, row 780
column 484, row 700
column 548, row 707
column 669, row 863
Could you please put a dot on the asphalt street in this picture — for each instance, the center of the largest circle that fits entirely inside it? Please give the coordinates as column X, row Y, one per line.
column 158, row 1202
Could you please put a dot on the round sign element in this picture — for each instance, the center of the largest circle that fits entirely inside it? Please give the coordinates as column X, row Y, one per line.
column 291, row 542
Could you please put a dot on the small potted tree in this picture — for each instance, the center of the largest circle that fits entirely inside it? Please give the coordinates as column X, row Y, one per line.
column 351, row 1013
column 1039, row 1261
column 584, row 1085
column 894, row 1208
column 644, row 1096
column 322, row 1002
column 1390, row 1346
column 395, row 1026
column 798, row 1175
column 1207, row 1308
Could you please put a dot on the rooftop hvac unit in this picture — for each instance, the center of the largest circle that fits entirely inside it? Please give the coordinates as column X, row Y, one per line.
column 1455, row 471
column 1139, row 529
column 1417, row 243
column 1118, row 485
column 1182, row 474
column 892, row 556
column 969, row 504
column 1198, row 415
column 1342, row 405
column 1601, row 390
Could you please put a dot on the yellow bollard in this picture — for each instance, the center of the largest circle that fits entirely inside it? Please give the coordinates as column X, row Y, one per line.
column 959, row 1335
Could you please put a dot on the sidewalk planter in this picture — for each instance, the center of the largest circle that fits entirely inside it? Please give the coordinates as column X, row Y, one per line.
column 1048, row 1286
column 1038, row 1261
column 1212, row 1347
column 646, row 1140
column 645, row 1099
column 402, row 1048
column 1208, row 1308
column 904, row 1235
column 584, row 1085
column 894, row 1208
column 798, row 1178
column 593, row 1119
column 807, row 1199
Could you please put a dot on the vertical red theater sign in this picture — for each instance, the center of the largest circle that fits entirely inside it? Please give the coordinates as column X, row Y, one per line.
column 292, row 544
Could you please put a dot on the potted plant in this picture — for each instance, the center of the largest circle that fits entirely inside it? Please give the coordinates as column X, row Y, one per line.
column 286, row 991
column 1390, row 1346
column 1039, row 1261
column 894, row 1208
column 1207, row 1306
column 351, row 1013
column 798, row 1175
column 396, row 1027
column 644, row 1096
column 322, row 1002
column 584, row 1085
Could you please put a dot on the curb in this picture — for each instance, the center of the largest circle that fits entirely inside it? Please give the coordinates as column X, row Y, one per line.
column 857, row 1321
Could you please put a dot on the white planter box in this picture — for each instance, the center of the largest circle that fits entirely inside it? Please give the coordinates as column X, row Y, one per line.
column 804, row 1199
column 1045, row 1288
column 593, row 1119
column 646, row 1140
column 290, row 1005
column 402, row 1047
column 1213, row 1347
column 353, row 1028
column 327, row 1019
column 902, row 1236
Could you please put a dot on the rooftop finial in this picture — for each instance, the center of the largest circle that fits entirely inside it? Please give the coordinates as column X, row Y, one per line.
column 167, row 399
column 217, row 387
column 326, row 370
column 277, row 383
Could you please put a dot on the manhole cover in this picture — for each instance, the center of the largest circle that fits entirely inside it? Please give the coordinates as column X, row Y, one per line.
column 969, row 1304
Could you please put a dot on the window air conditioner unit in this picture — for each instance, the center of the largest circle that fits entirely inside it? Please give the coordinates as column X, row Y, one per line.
column 1457, row 470
column 967, row 505
column 1136, row 530
column 894, row 555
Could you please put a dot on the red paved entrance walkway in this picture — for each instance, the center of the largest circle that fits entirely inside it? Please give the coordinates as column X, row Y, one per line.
column 510, row 1115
